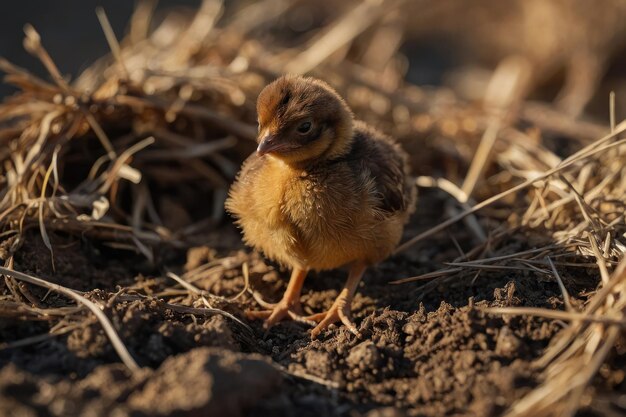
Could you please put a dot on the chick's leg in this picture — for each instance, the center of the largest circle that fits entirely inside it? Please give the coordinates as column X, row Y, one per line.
column 289, row 305
column 341, row 308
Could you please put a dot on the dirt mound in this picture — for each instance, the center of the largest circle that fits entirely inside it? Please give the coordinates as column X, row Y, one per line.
column 201, row 382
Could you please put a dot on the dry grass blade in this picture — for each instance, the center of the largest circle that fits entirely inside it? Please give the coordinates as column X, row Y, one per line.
column 604, row 272
column 140, row 20
column 209, row 309
column 566, row 300
column 32, row 43
column 246, row 281
column 505, row 87
column 112, row 175
column 185, row 284
column 340, row 34
column 308, row 377
column 499, row 267
column 430, row 275
column 38, row 338
column 117, row 343
column 612, row 110
column 451, row 188
column 111, row 39
column 555, row 314
column 236, row 127
column 581, row 155
column 569, row 374
column 206, row 311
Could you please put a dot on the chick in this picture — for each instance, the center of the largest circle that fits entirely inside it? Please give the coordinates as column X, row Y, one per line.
column 322, row 191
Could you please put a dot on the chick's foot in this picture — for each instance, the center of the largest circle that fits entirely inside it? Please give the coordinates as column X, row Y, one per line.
column 342, row 307
column 340, row 311
column 276, row 312
column 288, row 306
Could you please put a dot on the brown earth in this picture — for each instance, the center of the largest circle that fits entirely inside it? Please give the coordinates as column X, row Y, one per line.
column 424, row 349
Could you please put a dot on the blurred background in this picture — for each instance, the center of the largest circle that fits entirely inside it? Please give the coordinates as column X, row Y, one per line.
column 69, row 28
column 574, row 49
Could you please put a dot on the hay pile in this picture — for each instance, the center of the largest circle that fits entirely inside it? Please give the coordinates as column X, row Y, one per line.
column 138, row 152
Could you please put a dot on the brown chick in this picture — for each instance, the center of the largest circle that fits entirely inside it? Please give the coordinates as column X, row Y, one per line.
column 321, row 191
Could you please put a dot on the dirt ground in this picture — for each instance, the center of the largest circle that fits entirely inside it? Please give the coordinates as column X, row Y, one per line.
column 425, row 349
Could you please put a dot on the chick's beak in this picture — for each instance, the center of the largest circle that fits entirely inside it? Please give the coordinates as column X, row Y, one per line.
column 268, row 144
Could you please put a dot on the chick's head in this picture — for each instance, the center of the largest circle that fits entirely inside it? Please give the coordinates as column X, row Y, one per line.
column 302, row 120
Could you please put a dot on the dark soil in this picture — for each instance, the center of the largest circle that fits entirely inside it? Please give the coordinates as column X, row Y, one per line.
column 424, row 349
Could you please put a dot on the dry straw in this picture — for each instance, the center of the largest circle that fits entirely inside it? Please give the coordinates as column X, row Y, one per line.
column 107, row 156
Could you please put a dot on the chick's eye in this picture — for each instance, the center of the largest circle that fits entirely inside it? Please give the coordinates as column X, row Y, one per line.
column 304, row 127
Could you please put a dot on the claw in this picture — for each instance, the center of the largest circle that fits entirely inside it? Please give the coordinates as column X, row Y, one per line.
column 258, row 314
column 340, row 311
column 288, row 306
column 276, row 312
column 260, row 301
